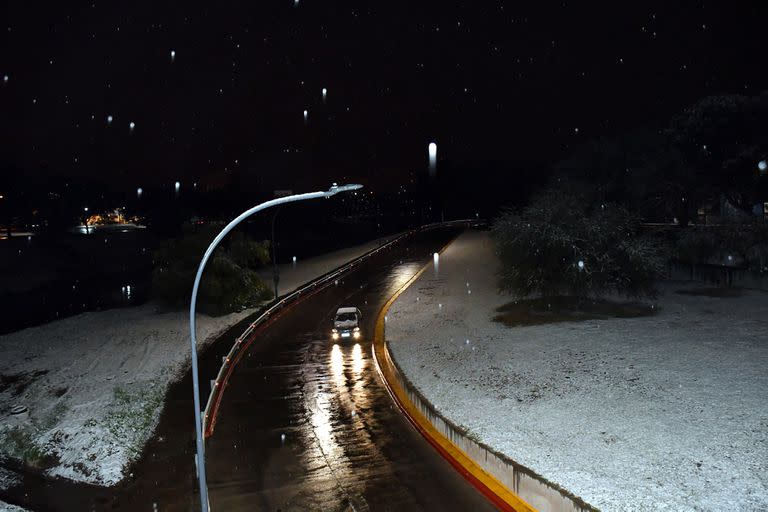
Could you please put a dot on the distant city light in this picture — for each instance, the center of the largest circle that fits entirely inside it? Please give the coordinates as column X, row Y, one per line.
column 325, row 94
column 762, row 165
column 139, row 192
column 85, row 209
column 109, row 119
column 294, row 259
column 306, row 116
column 173, row 55
column 5, row 78
column 131, row 125
column 177, row 186
column 581, row 265
column 432, row 150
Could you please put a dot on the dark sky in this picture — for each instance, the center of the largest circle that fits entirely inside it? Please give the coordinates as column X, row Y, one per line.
column 512, row 82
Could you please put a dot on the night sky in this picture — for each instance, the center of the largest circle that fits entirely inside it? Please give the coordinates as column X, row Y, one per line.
column 507, row 82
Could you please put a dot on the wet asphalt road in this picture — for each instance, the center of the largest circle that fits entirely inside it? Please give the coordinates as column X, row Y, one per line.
column 346, row 446
column 305, row 423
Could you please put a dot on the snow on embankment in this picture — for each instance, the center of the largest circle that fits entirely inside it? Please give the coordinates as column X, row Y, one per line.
column 5, row 507
column 93, row 385
column 666, row 412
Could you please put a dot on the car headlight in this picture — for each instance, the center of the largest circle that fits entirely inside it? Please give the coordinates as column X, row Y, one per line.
column 356, row 334
column 335, row 335
column 356, row 329
column 334, row 330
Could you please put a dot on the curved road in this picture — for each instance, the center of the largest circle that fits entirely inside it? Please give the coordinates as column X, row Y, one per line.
column 305, row 424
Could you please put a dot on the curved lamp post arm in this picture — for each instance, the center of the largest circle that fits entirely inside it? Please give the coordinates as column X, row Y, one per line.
column 193, row 302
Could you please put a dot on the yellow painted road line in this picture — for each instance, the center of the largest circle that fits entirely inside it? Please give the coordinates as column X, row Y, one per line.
column 486, row 483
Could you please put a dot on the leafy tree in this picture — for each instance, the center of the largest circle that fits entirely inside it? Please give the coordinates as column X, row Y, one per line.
column 707, row 153
column 229, row 281
column 640, row 170
column 247, row 252
column 721, row 139
column 562, row 244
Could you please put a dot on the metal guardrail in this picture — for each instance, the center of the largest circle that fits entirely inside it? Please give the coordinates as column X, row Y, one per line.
column 273, row 312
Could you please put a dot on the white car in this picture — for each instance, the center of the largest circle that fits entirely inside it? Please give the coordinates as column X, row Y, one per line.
column 346, row 323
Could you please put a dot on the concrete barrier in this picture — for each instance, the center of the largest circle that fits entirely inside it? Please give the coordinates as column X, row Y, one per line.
column 506, row 483
column 243, row 341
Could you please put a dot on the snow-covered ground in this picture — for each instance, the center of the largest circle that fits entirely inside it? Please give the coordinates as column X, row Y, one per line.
column 7, row 480
column 667, row 412
column 5, row 507
column 94, row 384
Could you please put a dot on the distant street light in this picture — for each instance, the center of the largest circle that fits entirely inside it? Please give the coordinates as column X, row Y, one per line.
column 306, row 116
column 193, row 304
column 762, row 165
column 325, row 94
column 177, row 187
column 432, row 150
column 139, row 192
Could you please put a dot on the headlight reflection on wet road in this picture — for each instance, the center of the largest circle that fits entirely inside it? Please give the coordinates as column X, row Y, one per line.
column 358, row 362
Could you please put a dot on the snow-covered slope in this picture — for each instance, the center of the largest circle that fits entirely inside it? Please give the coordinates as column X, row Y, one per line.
column 94, row 384
column 667, row 412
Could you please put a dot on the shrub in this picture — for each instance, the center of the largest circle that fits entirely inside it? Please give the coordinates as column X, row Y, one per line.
column 249, row 253
column 560, row 244
column 19, row 443
column 229, row 281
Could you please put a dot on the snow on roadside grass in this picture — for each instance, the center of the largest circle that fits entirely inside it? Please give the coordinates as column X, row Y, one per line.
column 93, row 384
column 8, row 479
column 661, row 412
column 6, row 507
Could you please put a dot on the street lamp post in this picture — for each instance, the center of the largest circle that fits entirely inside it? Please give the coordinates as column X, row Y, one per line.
column 275, row 269
column 335, row 189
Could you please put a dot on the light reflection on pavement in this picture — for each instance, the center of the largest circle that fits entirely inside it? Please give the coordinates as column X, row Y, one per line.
column 305, row 424
column 346, row 445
